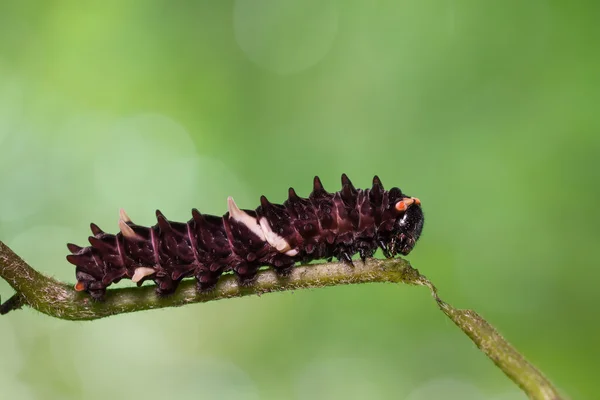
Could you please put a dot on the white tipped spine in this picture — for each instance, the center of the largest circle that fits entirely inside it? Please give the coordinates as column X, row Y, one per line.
column 140, row 273
column 240, row 216
column 124, row 215
column 276, row 241
column 126, row 230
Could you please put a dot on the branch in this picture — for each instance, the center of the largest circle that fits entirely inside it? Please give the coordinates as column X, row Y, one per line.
column 60, row 300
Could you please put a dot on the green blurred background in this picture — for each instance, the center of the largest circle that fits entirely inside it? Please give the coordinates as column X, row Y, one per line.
column 487, row 111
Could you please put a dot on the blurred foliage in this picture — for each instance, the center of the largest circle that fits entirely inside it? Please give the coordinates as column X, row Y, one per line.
column 487, row 111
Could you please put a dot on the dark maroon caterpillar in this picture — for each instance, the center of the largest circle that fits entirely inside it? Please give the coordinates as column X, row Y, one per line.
column 325, row 225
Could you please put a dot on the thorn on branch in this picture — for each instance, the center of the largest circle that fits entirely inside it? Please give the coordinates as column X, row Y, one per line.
column 14, row 303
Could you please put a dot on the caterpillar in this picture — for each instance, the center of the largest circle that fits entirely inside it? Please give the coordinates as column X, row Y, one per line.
column 322, row 226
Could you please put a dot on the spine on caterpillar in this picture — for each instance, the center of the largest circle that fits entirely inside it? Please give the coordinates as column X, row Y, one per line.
column 322, row 226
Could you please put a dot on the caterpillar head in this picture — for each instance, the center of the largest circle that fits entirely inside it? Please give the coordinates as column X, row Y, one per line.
column 408, row 226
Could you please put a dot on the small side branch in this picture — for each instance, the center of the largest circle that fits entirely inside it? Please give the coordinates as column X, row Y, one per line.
column 60, row 300
column 502, row 353
column 14, row 303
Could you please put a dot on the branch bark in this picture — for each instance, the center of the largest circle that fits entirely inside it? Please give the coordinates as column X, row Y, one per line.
column 60, row 300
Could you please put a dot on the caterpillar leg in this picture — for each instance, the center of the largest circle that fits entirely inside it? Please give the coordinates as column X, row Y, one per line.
column 384, row 248
column 366, row 247
column 246, row 274
column 366, row 252
column 346, row 258
column 284, row 271
column 207, row 280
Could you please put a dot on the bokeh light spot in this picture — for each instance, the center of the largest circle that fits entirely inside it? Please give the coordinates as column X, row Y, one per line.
column 344, row 378
column 185, row 375
column 447, row 389
column 11, row 102
column 285, row 36
column 44, row 248
column 510, row 395
column 145, row 161
column 24, row 175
